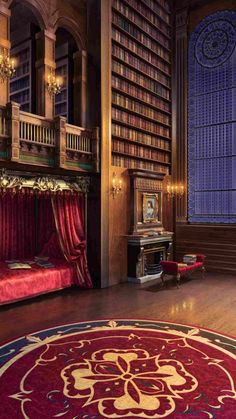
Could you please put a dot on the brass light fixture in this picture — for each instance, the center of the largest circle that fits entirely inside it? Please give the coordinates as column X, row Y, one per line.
column 7, row 65
column 175, row 190
column 116, row 185
column 54, row 84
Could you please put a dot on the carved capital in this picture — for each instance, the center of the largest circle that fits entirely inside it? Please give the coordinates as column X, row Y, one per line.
column 181, row 18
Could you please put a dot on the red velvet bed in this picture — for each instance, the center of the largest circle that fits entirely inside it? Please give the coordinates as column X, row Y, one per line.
column 46, row 226
column 18, row 284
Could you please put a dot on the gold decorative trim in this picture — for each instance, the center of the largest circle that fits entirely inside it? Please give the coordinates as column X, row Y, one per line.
column 10, row 182
column 44, row 184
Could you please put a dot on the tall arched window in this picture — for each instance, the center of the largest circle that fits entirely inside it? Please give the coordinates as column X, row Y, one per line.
column 212, row 120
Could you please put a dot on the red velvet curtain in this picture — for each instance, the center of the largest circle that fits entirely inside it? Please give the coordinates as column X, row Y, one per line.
column 68, row 212
column 45, row 220
column 17, row 225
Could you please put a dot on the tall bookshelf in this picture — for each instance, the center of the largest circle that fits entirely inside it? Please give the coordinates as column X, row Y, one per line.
column 62, row 70
column 141, row 84
column 21, row 83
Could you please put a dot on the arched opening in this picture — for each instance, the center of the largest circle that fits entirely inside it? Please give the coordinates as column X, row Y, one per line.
column 23, row 28
column 65, row 54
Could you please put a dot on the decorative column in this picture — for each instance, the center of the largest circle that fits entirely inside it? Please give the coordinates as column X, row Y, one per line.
column 80, row 88
column 106, row 173
column 180, row 113
column 45, row 53
column 95, row 148
column 4, row 44
column 13, row 119
column 60, row 127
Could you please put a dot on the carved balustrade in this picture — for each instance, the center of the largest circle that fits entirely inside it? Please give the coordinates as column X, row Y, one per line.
column 36, row 140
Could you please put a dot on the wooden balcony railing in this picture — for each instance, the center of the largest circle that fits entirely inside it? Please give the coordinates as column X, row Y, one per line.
column 36, row 130
column 33, row 139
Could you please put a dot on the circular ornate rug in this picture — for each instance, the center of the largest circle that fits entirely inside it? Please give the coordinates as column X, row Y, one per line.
column 119, row 369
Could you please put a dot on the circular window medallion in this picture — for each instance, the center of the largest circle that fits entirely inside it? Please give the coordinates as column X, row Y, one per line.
column 215, row 44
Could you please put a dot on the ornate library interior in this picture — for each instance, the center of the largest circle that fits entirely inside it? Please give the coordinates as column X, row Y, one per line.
column 117, row 209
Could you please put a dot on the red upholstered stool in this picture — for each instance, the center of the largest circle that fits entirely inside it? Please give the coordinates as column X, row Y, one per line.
column 177, row 269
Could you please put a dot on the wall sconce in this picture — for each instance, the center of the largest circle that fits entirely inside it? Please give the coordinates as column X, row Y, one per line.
column 175, row 190
column 116, row 185
column 54, row 84
column 7, row 65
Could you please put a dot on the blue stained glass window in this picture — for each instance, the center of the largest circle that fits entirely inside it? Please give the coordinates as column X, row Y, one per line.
column 212, row 120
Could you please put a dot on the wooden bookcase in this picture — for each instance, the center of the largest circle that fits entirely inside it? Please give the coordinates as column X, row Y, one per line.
column 141, row 84
column 62, row 70
column 21, row 83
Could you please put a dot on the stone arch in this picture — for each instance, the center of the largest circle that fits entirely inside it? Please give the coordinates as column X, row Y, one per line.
column 72, row 27
column 36, row 7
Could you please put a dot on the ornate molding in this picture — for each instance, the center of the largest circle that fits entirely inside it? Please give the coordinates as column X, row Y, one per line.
column 44, row 183
column 181, row 18
column 10, row 182
column 149, row 184
column 81, row 184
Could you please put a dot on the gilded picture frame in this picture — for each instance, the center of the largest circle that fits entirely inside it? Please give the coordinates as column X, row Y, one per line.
column 152, row 208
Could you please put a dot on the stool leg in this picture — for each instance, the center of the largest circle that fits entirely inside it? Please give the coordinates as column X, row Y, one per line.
column 162, row 279
column 178, row 280
column 203, row 272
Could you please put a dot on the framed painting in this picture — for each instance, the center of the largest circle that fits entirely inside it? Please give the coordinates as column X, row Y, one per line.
column 152, row 208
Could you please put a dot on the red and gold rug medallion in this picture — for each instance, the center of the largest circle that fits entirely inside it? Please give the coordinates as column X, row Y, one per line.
column 119, row 369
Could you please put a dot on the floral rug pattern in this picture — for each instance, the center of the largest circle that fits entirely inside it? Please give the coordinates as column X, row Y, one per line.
column 119, row 369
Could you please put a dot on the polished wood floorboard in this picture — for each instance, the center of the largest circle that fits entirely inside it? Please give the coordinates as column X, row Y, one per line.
column 209, row 302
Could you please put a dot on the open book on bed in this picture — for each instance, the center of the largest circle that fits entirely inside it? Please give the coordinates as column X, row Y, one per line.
column 19, row 266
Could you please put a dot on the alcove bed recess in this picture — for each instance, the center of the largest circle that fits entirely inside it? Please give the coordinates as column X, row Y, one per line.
column 42, row 235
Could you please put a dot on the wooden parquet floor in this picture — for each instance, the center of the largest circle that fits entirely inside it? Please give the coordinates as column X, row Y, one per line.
column 209, row 302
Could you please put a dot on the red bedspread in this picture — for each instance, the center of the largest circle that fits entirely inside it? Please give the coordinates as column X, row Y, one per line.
column 16, row 284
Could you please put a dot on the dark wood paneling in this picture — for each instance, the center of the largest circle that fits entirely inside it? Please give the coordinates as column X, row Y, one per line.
column 118, row 228
column 218, row 243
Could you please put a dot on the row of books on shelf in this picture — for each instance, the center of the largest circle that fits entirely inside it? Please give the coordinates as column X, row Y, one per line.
column 19, row 84
column 143, row 81
column 62, row 96
column 139, row 50
column 140, row 65
column 138, row 122
column 156, row 8
column 130, row 163
column 61, row 109
column 22, row 55
column 21, row 70
column 149, row 15
column 139, row 151
column 138, row 93
column 139, row 21
column 133, row 105
column 149, row 43
column 140, row 137
column 21, row 97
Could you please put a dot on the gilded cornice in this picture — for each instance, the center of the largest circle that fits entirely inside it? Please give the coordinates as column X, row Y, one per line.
column 43, row 184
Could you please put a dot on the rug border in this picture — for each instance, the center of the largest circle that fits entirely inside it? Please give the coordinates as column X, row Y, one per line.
column 114, row 319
